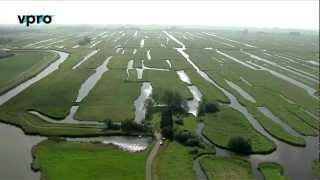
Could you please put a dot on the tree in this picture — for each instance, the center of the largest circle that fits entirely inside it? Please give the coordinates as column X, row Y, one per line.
column 86, row 40
column 149, row 108
column 240, row 145
column 130, row 125
column 208, row 107
column 211, row 107
column 108, row 124
column 166, row 123
column 183, row 136
column 167, row 132
column 174, row 101
column 166, row 118
column 187, row 138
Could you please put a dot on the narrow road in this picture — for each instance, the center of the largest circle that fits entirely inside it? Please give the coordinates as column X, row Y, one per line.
column 152, row 155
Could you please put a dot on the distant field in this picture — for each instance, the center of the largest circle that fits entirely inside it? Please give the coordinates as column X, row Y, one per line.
column 112, row 98
column 55, row 93
column 21, row 66
column 83, row 161
column 52, row 96
column 163, row 81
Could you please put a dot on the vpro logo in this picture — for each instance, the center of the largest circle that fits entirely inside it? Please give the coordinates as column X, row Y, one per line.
column 31, row 19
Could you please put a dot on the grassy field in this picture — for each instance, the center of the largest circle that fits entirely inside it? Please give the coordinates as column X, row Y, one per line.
column 23, row 65
column 119, row 62
column 114, row 95
column 273, row 128
column 189, row 123
column 272, row 171
column 83, row 161
column 218, row 168
column 209, row 92
column 261, row 80
column 316, row 167
column 267, row 96
column 173, row 162
column 222, row 126
column 166, row 81
column 220, row 68
column 112, row 98
column 43, row 97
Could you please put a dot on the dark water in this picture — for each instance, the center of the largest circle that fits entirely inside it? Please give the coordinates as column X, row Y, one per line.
column 242, row 92
column 15, row 154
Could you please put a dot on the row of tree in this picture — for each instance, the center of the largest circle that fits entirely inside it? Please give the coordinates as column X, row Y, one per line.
column 126, row 126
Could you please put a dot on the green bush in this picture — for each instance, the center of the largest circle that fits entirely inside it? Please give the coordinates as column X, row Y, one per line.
column 167, row 132
column 208, row 107
column 179, row 121
column 86, row 40
column 240, row 145
column 166, row 118
column 194, row 151
column 174, row 101
column 109, row 125
column 187, row 138
column 130, row 125
column 192, row 142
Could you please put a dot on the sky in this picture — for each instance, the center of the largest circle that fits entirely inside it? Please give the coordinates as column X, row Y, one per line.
column 267, row 14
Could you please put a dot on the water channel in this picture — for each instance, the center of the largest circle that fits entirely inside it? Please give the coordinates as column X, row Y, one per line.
column 296, row 161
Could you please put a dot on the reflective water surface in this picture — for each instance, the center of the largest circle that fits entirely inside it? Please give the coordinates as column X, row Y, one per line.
column 139, row 103
column 15, row 154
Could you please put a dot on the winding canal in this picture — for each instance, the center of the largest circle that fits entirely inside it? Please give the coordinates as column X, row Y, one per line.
column 296, row 161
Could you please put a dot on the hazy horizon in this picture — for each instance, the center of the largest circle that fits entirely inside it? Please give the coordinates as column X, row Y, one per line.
column 244, row 14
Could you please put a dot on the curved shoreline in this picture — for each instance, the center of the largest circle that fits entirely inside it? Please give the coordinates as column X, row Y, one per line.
column 6, row 89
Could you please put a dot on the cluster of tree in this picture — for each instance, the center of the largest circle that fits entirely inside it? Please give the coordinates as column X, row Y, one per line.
column 109, row 125
column 131, row 126
column 127, row 126
column 86, row 40
column 174, row 105
column 240, row 145
column 149, row 108
column 184, row 137
column 179, row 120
column 187, row 138
column 208, row 107
column 166, row 123
column 174, row 102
